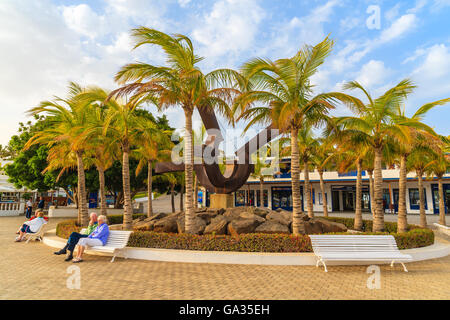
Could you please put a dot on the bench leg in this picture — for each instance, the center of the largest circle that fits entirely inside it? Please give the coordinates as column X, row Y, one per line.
column 114, row 256
column 404, row 267
column 392, row 263
column 323, row 262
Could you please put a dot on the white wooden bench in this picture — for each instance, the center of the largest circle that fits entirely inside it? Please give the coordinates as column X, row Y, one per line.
column 357, row 248
column 117, row 241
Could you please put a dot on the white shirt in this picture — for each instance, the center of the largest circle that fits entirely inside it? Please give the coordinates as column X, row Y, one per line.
column 36, row 224
column 29, row 203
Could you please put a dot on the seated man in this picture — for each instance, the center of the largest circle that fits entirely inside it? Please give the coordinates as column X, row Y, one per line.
column 33, row 217
column 75, row 237
column 97, row 238
column 32, row 226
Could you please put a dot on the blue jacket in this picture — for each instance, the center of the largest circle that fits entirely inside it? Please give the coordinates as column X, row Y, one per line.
column 101, row 233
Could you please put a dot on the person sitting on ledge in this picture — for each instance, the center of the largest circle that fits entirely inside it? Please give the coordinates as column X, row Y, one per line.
column 32, row 218
column 32, row 226
column 98, row 237
column 76, row 236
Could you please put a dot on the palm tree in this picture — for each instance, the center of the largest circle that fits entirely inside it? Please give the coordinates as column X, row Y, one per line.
column 180, row 83
column 69, row 118
column 153, row 144
column 376, row 121
column 286, row 93
column 323, row 158
column 418, row 161
column 260, row 172
column 120, row 123
column 438, row 167
column 405, row 145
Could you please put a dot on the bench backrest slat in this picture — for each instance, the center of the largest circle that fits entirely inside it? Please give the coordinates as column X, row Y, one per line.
column 117, row 238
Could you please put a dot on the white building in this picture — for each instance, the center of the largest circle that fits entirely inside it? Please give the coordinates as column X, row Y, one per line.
column 340, row 191
column 10, row 200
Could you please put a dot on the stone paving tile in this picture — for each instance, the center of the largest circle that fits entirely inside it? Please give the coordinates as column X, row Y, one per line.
column 32, row 271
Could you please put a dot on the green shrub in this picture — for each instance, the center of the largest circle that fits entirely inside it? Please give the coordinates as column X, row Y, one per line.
column 252, row 242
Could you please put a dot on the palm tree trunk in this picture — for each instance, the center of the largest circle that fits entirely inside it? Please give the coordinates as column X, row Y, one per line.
column 195, row 192
column 172, row 197
column 101, row 178
column 441, row 202
column 82, row 208
column 261, row 192
column 149, row 189
column 189, row 170
column 309, row 204
column 402, row 223
column 295, row 181
column 181, row 198
column 324, row 198
column 358, row 212
column 378, row 222
column 423, row 216
column 371, row 194
column 128, row 209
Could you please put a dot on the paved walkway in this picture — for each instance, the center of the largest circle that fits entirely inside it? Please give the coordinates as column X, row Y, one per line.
column 31, row 271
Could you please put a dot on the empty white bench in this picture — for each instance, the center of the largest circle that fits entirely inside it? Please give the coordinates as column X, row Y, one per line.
column 117, row 241
column 357, row 248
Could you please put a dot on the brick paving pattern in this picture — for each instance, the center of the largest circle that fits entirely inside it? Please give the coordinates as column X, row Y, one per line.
column 32, row 271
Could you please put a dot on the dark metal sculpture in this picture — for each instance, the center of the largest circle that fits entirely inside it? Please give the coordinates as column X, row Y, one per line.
column 208, row 173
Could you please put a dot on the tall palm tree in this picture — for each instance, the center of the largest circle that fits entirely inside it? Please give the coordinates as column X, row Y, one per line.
column 178, row 84
column 288, row 103
column 120, row 124
column 260, row 172
column 438, row 167
column 153, row 144
column 376, row 121
column 405, row 146
column 418, row 160
column 69, row 118
column 323, row 160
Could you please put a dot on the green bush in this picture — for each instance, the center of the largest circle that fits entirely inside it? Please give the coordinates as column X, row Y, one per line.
column 252, row 242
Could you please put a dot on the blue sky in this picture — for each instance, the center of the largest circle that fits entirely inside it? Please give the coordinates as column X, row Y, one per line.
column 44, row 44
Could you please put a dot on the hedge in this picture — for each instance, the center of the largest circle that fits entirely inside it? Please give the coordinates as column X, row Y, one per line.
column 252, row 242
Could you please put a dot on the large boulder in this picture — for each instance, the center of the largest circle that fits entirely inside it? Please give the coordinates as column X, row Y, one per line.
column 262, row 212
column 146, row 224
column 240, row 226
column 198, row 225
column 137, row 220
column 168, row 223
column 279, row 217
column 272, row 227
column 209, row 214
column 249, row 215
column 330, row 226
column 233, row 213
column 217, row 226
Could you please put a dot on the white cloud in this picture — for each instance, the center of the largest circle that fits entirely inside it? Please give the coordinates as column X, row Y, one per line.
column 400, row 26
column 183, row 3
column 373, row 73
column 83, row 20
column 228, row 29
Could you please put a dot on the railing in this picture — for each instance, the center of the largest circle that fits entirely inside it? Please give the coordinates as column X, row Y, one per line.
column 9, row 206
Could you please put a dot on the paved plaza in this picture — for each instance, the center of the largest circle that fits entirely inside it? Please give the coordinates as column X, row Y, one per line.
column 32, row 271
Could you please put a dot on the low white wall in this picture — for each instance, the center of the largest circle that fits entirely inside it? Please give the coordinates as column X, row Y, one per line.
column 66, row 212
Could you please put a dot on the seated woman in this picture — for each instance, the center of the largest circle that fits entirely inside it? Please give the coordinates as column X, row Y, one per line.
column 75, row 237
column 32, row 218
column 32, row 226
column 97, row 238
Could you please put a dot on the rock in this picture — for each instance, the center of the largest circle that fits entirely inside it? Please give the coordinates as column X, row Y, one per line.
column 249, row 215
column 278, row 217
column 330, row 226
column 137, row 220
column 147, row 224
column 201, row 209
column 198, row 228
column 272, row 227
column 240, row 226
column 115, row 227
column 262, row 212
column 207, row 215
column 218, row 226
column 168, row 223
column 233, row 213
column 312, row 227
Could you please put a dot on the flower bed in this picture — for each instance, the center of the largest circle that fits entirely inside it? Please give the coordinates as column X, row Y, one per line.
column 252, row 242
